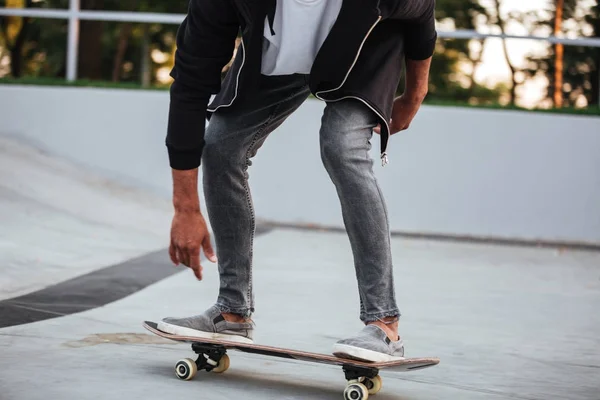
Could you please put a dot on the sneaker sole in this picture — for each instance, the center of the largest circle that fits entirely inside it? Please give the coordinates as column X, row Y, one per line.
column 359, row 354
column 182, row 331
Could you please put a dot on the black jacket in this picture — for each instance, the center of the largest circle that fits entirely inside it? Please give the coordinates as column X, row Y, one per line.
column 361, row 58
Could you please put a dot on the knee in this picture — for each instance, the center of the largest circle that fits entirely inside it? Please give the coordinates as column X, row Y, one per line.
column 332, row 142
column 345, row 136
column 221, row 152
column 213, row 157
column 344, row 149
column 213, row 150
column 332, row 155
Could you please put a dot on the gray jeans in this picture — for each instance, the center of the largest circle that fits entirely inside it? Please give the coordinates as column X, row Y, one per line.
column 234, row 136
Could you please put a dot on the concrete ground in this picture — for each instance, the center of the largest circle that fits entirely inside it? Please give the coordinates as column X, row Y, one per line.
column 506, row 322
column 62, row 220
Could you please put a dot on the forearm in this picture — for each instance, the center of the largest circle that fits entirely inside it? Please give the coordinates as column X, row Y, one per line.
column 185, row 190
column 417, row 78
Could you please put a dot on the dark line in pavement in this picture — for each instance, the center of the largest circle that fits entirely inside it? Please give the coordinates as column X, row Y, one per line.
column 451, row 238
column 88, row 291
column 473, row 389
column 91, row 290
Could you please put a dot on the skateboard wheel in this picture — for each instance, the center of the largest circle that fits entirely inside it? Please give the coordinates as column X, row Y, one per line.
column 373, row 385
column 186, row 369
column 356, row 391
column 223, row 365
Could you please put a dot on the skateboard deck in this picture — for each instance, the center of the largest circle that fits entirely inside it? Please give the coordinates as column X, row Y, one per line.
column 363, row 377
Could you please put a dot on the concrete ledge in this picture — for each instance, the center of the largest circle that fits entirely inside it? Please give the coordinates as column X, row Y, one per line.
column 457, row 172
column 448, row 237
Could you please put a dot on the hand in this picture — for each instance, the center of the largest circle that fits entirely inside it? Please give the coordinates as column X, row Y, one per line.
column 403, row 112
column 188, row 234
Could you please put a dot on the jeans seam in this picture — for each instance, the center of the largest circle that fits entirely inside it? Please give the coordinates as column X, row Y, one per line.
column 294, row 94
column 251, row 208
column 383, row 203
column 255, row 137
column 250, row 150
column 388, row 302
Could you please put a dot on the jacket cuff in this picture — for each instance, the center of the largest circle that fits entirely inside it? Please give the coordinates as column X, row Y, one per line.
column 184, row 160
column 422, row 51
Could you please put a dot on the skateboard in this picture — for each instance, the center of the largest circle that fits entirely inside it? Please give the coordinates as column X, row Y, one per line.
column 363, row 377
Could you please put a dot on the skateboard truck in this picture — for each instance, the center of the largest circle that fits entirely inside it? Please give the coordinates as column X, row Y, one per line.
column 208, row 356
column 211, row 358
column 362, row 381
column 353, row 372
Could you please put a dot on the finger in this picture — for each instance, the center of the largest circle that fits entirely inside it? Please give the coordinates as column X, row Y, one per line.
column 173, row 254
column 377, row 129
column 195, row 265
column 198, row 273
column 208, row 249
column 182, row 257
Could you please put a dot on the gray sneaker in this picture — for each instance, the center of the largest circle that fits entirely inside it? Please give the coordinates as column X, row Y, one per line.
column 371, row 345
column 210, row 325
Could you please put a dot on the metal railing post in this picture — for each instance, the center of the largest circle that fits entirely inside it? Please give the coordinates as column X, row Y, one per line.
column 73, row 40
column 74, row 15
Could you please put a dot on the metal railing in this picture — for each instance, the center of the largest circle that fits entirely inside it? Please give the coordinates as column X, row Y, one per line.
column 74, row 14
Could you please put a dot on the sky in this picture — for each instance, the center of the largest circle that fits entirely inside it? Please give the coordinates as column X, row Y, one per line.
column 494, row 67
column 518, row 48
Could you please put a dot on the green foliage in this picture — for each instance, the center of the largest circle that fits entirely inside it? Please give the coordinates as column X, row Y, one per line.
column 142, row 53
column 448, row 79
column 581, row 77
column 44, row 51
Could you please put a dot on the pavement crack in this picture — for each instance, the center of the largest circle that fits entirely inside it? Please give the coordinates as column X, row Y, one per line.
column 58, row 314
column 472, row 389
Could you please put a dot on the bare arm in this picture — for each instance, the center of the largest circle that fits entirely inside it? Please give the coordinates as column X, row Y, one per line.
column 417, row 79
column 205, row 43
column 189, row 232
column 185, row 191
column 406, row 106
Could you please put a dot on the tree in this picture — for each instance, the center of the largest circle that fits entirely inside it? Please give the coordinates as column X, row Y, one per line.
column 455, row 62
column 107, row 50
column 501, row 22
column 14, row 33
column 581, row 64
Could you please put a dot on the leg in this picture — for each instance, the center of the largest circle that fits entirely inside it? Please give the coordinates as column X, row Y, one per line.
column 232, row 138
column 346, row 131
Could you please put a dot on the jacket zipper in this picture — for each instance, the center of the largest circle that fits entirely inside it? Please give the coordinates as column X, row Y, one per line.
column 384, row 157
column 237, row 79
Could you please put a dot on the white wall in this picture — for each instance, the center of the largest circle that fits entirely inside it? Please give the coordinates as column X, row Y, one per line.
column 457, row 171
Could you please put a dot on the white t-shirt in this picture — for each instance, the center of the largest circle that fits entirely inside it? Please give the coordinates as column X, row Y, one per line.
column 301, row 27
